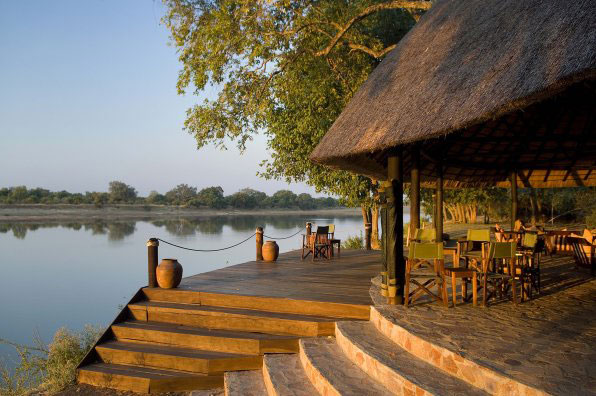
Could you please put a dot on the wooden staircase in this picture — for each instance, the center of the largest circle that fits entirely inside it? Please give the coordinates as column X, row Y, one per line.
column 172, row 340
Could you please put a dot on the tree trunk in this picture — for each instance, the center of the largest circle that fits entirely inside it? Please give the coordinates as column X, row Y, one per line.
column 374, row 238
column 451, row 210
column 534, row 205
column 365, row 218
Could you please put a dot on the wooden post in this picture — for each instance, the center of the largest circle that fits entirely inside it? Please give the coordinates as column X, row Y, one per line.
column 152, row 245
column 308, row 230
column 439, row 203
column 367, row 236
column 259, row 243
column 513, row 199
column 383, row 239
column 395, row 229
column 415, row 191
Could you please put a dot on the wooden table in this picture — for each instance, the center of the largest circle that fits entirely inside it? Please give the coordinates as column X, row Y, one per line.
column 465, row 275
column 335, row 242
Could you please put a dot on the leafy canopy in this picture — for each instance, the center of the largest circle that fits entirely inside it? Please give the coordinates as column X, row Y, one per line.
column 283, row 68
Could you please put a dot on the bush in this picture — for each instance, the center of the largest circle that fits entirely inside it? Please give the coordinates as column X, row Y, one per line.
column 353, row 242
column 47, row 368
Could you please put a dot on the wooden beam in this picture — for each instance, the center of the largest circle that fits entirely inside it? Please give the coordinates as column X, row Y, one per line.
column 439, row 203
column 395, row 228
column 415, row 190
column 513, row 198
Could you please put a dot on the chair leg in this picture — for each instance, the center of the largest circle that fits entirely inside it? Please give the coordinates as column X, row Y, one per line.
column 484, row 291
column 453, row 289
column 464, row 288
column 474, row 289
column 407, row 289
column 444, row 292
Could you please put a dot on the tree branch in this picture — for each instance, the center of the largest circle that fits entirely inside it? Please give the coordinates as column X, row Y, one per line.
column 420, row 5
column 370, row 51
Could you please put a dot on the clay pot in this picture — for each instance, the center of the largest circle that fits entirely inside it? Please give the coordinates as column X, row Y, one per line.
column 270, row 251
column 169, row 273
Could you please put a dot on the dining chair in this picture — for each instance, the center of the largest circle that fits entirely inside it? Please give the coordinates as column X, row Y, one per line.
column 496, row 274
column 473, row 249
column 425, row 269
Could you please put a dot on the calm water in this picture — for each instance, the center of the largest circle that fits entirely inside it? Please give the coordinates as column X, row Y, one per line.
column 72, row 274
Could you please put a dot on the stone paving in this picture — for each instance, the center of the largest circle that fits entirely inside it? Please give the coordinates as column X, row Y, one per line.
column 548, row 343
column 244, row 383
column 285, row 376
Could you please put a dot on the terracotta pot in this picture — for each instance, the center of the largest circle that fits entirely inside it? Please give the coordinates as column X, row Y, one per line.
column 169, row 273
column 270, row 251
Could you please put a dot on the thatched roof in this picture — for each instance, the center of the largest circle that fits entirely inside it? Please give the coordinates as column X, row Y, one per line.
column 489, row 85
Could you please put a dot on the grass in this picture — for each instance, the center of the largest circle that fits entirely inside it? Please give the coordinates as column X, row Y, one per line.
column 353, row 242
column 47, row 368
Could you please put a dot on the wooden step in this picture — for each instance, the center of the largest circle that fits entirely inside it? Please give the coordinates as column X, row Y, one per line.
column 332, row 373
column 204, row 339
column 244, row 383
column 392, row 366
column 271, row 304
column 144, row 379
column 233, row 318
column 284, row 376
column 169, row 357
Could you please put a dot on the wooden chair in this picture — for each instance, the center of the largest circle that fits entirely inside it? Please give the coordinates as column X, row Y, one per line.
column 425, row 274
column 473, row 249
column 426, row 235
column 495, row 275
column 531, row 250
column 319, row 244
column 584, row 253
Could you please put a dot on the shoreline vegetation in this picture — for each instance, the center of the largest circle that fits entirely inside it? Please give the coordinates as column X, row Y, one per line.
column 61, row 212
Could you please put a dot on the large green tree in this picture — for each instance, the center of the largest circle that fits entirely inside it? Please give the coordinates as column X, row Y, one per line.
column 286, row 69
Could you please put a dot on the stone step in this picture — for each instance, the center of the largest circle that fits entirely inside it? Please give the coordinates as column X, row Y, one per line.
column 204, row 339
column 169, row 357
column 233, row 318
column 270, row 304
column 332, row 373
column 285, row 376
column 144, row 379
column 393, row 366
column 244, row 383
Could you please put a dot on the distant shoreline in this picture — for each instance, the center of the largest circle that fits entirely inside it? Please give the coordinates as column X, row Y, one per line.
column 57, row 212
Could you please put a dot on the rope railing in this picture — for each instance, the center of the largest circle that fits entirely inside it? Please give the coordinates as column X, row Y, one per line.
column 207, row 250
column 228, row 247
column 288, row 237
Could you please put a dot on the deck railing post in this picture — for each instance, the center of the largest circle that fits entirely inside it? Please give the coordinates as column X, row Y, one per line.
column 259, row 234
column 367, row 236
column 152, row 245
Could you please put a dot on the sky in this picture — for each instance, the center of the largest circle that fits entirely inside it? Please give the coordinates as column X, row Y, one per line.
column 88, row 95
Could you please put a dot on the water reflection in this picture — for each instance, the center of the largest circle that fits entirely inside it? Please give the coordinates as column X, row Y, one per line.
column 117, row 230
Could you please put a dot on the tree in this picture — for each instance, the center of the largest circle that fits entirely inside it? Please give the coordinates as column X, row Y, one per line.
column 284, row 199
column 286, row 69
column 212, row 197
column 156, row 198
column 120, row 192
column 181, row 194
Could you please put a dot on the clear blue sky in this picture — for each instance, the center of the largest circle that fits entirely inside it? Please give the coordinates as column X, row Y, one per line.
column 88, row 95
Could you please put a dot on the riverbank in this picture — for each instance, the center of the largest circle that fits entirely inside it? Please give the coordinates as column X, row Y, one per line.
column 62, row 212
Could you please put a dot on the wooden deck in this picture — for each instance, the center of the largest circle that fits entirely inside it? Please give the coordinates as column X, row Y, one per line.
column 226, row 320
column 339, row 280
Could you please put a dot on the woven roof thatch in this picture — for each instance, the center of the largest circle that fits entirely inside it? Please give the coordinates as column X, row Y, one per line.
column 489, row 86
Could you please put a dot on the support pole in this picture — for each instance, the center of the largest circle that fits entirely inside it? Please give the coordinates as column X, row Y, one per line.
column 439, row 203
column 395, row 229
column 383, row 239
column 259, row 243
column 415, row 191
column 513, row 198
column 152, row 245
column 367, row 236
